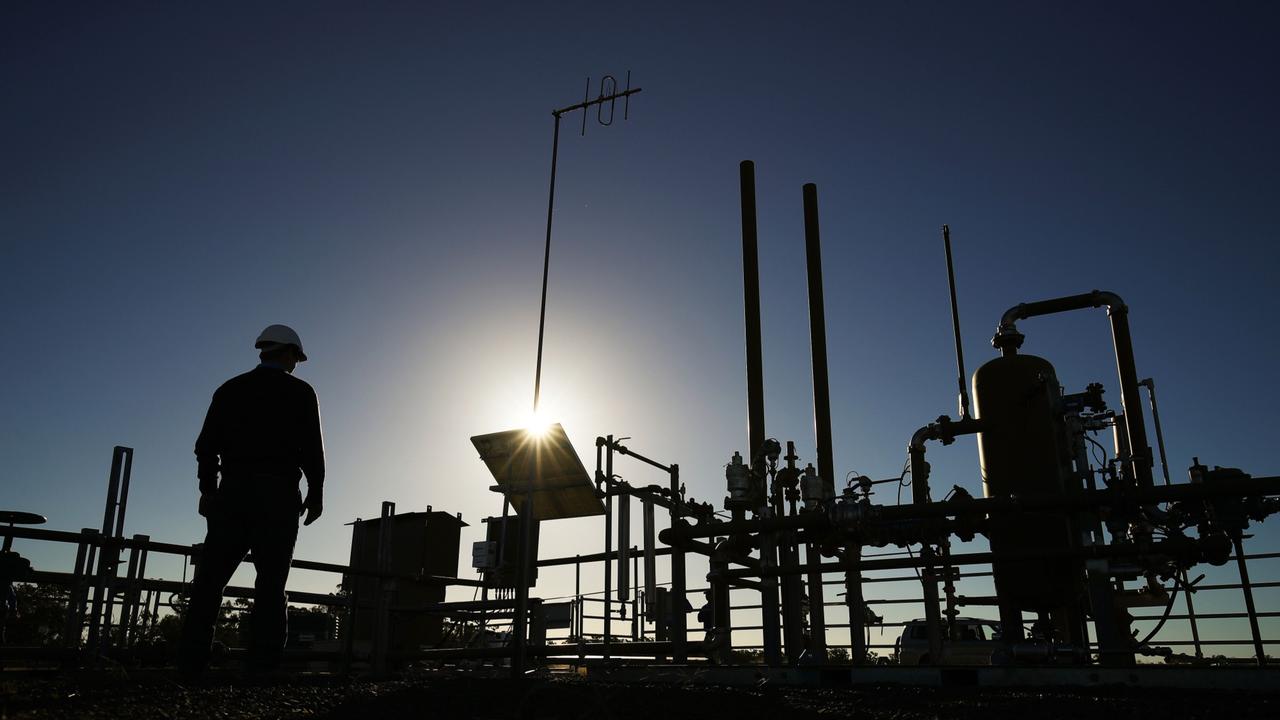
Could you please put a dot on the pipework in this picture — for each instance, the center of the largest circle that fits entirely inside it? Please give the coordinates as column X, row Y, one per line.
column 1007, row 340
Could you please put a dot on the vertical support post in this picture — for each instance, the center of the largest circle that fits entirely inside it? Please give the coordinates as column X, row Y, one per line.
column 1150, row 385
column 932, row 613
column 127, row 604
column 1191, row 614
column 1247, row 588
column 352, row 585
column 75, row 597
column 382, row 624
column 527, row 559
column 1135, row 426
column 817, row 606
column 123, row 501
column 578, row 607
column 108, row 554
column 650, row 554
column 770, row 619
column 821, row 405
column 624, row 547
column 857, row 607
column 608, row 544
column 636, row 620
column 679, row 593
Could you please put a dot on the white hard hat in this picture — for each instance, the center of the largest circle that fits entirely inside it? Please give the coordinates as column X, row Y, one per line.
column 274, row 335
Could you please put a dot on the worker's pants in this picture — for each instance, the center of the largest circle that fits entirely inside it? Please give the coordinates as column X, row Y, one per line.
column 268, row 531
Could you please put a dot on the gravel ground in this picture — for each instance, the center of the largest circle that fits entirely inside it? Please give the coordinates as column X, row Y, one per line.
column 159, row 695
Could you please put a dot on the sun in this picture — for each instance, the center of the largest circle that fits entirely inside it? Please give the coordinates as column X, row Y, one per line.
column 538, row 424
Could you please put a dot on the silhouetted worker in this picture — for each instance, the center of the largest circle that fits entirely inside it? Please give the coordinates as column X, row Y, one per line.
column 262, row 433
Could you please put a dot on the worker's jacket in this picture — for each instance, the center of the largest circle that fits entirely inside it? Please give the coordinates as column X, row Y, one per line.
column 261, row 434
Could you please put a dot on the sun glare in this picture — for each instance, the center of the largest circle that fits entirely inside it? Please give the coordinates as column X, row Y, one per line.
column 537, row 424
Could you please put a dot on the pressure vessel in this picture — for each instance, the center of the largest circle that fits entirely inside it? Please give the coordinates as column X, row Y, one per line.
column 1023, row 453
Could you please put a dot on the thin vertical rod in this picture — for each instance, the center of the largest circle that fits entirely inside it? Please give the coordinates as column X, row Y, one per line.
column 546, row 263
column 1247, row 588
column 608, row 545
column 1150, row 385
column 123, row 501
column 1191, row 614
column 955, row 326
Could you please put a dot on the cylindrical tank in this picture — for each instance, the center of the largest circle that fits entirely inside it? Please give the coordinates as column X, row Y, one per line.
column 1022, row 453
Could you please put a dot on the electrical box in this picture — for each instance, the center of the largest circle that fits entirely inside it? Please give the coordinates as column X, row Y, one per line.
column 484, row 555
column 506, row 536
column 412, row 547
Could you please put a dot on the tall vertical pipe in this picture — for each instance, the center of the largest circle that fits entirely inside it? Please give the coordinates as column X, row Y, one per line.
column 821, row 402
column 818, row 337
column 755, row 408
column 751, row 302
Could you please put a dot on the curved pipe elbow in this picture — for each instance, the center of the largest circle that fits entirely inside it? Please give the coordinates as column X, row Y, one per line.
column 923, row 435
column 1007, row 337
column 944, row 429
column 1097, row 298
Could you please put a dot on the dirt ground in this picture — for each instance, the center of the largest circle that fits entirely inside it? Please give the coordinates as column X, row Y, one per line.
column 159, row 695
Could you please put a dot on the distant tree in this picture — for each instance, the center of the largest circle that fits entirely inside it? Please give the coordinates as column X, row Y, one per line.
column 41, row 615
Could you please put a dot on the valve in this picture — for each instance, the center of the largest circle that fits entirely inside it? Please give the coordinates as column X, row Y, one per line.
column 814, row 489
column 738, row 481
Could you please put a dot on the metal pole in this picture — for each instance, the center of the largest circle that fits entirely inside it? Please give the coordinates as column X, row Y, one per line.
column 608, row 544
column 1150, row 385
column 854, row 601
column 381, row 620
column 528, row 561
column 1191, row 614
column 679, row 619
column 955, row 327
column 75, row 595
column 578, row 606
column 1247, row 588
column 123, row 501
column 546, row 263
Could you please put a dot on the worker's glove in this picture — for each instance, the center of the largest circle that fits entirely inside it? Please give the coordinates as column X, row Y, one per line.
column 313, row 506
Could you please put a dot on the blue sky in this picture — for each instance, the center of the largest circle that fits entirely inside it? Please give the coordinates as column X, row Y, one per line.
column 375, row 175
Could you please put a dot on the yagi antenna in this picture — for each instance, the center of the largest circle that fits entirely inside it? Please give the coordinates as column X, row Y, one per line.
column 607, row 97
column 609, row 94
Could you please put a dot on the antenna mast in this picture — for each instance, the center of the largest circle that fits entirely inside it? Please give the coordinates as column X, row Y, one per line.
column 955, row 326
column 610, row 94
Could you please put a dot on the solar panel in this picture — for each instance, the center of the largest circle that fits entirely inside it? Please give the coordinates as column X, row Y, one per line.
column 547, row 463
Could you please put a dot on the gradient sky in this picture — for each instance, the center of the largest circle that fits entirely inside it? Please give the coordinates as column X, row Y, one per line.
column 375, row 175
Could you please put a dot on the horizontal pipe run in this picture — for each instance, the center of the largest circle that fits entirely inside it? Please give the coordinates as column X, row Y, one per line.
column 633, row 649
column 594, row 557
column 624, row 450
column 1085, row 499
column 978, row 558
